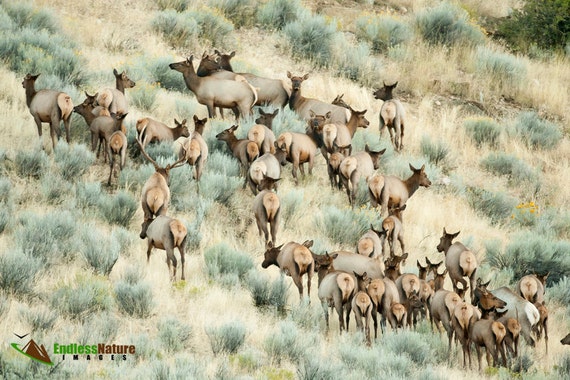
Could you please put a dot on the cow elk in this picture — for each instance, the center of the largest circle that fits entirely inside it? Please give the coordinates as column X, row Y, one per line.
column 266, row 208
column 392, row 115
column 166, row 233
column 113, row 99
column 370, row 244
column 244, row 150
column 459, row 261
column 299, row 149
column 195, row 148
column 265, row 165
column 156, row 131
column 358, row 165
column 48, row 106
column 294, row 259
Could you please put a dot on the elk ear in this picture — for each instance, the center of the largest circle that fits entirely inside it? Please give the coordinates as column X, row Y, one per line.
column 195, row 118
column 312, row 114
column 405, row 256
column 308, row 243
column 395, row 84
column 276, row 112
column 423, row 168
column 115, row 72
column 412, row 168
column 289, row 75
column 306, row 76
column 334, row 255
column 233, row 128
column 366, row 148
column 328, row 115
column 183, row 122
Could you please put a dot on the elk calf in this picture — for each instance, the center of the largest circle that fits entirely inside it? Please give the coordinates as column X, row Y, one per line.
column 166, row 233
column 489, row 334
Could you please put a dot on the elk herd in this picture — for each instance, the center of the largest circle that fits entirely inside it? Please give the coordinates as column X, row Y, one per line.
column 367, row 282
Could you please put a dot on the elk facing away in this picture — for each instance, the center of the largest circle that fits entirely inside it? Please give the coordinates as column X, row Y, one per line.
column 392, row 115
column 48, row 106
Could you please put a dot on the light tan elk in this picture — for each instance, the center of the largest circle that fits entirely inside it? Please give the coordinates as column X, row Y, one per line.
column 299, row 149
column 489, row 333
column 408, row 285
column 392, row 115
column 263, row 137
column 265, row 165
column 370, row 244
column 356, row 166
column 113, row 99
column 155, row 197
column 212, row 92
column 156, row 131
column 362, row 306
column 336, row 289
column 343, row 133
column 266, row 208
column 166, row 233
column 195, row 148
column 531, row 287
column 459, row 261
column 376, row 290
column 302, row 106
column 392, row 230
column 443, row 304
column 462, row 319
column 390, row 191
column 353, row 262
column 295, row 260
column 48, row 106
column 117, row 147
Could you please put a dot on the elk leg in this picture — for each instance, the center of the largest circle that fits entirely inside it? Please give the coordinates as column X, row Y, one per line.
column 53, row 132
column 325, row 307
column 375, row 322
column 182, row 253
column 148, row 250
column 66, row 124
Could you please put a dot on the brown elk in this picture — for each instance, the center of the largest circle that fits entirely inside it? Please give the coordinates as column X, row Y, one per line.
column 302, row 105
column 244, row 150
column 392, row 115
column 155, row 197
column 459, row 261
column 490, row 334
column 113, row 99
column 353, row 262
column 356, row 166
column 211, row 92
column 392, row 230
column 117, row 146
column 336, row 289
column 565, row 340
column 266, row 208
column 542, row 325
column 156, row 131
column 443, row 304
column 48, row 106
column 462, row 320
column 428, row 271
column 333, row 164
column 263, row 137
column 342, row 134
column 294, row 259
column 166, row 233
column 299, row 149
column 391, row 297
column 87, row 110
column 512, row 334
column 362, row 305
column 195, row 148
column 392, row 264
column 389, row 191
column 267, row 118
column 376, row 290
column 408, row 285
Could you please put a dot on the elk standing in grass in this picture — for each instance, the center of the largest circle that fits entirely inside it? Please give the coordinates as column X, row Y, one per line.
column 113, row 99
column 376, row 290
column 117, row 146
column 370, row 243
column 195, row 148
column 299, row 149
column 392, row 230
column 155, row 197
column 265, row 165
column 489, row 333
column 48, row 106
column 244, row 150
column 211, row 92
column 294, row 259
column 164, row 232
column 392, row 115
column 302, row 106
column 266, row 208
column 531, row 287
column 443, row 304
column 362, row 305
column 459, row 261
column 356, row 166
column 151, row 130
column 390, row 191
column 462, row 319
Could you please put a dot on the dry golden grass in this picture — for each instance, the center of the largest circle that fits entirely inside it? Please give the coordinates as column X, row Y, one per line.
column 427, row 77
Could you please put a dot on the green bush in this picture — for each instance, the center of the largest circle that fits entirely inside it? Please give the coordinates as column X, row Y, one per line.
column 227, row 338
column 318, row 368
column 176, row 28
column 225, row 264
column 382, row 32
column 24, row 15
column 177, row 5
column 99, row 327
column 435, row 151
column 559, row 292
column 132, row 179
column 497, row 206
column 118, row 209
column 56, row 190
column 214, row 27
column 240, row 12
column 100, row 249
column 18, row 272
column 266, row 293
column 143, row 96
column 563, row 367
column 134, row 296
column 31, row 164
column 5, row 190
column 219, row 187
column 222, row 163
column 483, row 131
column 353, row 61
column 85, row 296
column 73, row 161
column 342, row 226
column 4, row 304
column 536, row 132
column 311, row 37
column 515, row 169
column 285, row 343
column 173, row 334
column 291, row 202
column 160, row 74
column 275, row 14
column 411, row 344
column 545, row 24
column 88, row 194
column 39, row 318
column 531, row 253
column 500, row 68
column 447, row 25
column 49, row 237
